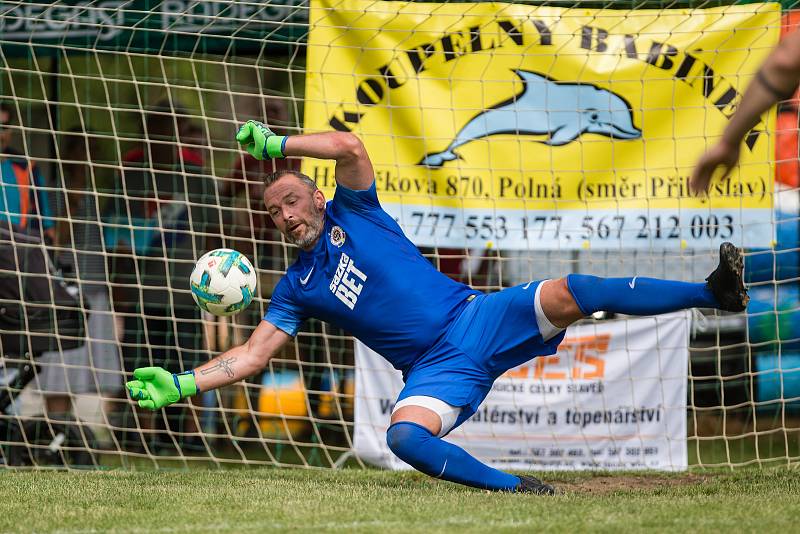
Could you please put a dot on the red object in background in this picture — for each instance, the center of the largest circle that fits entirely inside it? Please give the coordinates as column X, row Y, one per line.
column 787, row 143
column 787, row 165
column 791, row 22
column 188, row 155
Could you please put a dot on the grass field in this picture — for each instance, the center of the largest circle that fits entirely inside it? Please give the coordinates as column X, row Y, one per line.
column 747, row 500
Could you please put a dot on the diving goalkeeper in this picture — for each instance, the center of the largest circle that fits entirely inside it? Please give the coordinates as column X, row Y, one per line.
column 358, row 271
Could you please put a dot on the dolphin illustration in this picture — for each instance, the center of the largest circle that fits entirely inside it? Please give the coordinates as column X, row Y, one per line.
column 560, row 111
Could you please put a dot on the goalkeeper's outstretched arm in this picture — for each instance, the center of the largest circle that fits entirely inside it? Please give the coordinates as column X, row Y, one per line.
column 155, row 387
column 353, row 166
column 776, row 80
column 242, row 361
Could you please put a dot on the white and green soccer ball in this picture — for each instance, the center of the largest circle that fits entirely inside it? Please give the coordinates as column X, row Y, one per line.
column 223, row 282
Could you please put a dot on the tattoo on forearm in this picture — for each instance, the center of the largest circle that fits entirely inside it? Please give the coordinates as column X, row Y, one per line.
column 222, row 364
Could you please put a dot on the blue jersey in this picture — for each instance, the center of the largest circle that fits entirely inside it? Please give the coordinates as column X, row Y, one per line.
column 366, row 277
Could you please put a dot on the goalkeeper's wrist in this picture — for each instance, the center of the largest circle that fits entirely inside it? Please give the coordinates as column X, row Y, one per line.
column 276, row 145
column 186, row 384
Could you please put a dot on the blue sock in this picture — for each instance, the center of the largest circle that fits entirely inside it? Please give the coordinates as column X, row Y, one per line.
column 423, row 451
column 637, row 296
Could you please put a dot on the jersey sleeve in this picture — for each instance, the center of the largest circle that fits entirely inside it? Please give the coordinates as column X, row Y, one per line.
column 350, row 199
column 282, row 311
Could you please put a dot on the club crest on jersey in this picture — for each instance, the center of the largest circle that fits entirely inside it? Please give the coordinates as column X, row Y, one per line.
column 337, row 236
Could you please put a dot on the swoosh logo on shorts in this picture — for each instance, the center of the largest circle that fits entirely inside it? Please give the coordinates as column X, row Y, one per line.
column 632, row 283
column 304, row 280
column 526, row 286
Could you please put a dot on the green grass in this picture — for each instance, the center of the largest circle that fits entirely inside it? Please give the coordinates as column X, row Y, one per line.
column 261, row 500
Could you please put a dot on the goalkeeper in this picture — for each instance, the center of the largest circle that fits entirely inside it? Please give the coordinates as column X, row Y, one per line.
column 358, row 271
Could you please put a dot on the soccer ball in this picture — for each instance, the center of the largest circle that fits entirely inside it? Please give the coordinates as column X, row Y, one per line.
column 223, row 282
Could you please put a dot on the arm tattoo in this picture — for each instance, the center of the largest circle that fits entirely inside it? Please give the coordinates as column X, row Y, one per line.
column 223, row 364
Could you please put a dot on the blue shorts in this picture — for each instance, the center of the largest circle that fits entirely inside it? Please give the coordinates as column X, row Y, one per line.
column 493, row 334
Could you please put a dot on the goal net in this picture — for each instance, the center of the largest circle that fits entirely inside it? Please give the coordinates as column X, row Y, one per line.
column 512, row 142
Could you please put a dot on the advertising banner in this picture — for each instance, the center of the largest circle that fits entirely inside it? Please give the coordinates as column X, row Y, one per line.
column 151, row 26
column 613, row 397
column 533, row 127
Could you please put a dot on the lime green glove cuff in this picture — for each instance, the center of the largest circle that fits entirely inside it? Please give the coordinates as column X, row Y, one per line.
column 275, row 145
column 186, row 384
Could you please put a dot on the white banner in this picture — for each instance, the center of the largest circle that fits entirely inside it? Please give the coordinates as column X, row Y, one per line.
column 570, row 229
column 613, row 397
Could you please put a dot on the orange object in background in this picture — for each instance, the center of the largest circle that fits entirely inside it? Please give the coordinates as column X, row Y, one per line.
column 282, row 409
column 789, row 23
column 787, row 165
column 787, row 142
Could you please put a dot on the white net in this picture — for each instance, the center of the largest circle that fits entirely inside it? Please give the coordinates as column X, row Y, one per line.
column 120, row 169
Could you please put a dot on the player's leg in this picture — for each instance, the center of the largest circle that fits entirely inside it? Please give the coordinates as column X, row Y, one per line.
column 566, row 300
column 415, row 436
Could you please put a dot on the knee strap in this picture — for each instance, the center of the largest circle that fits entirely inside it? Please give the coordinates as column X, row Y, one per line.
column 448, row 414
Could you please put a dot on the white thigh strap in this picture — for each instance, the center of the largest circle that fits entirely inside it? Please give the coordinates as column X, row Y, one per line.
column 446, row 412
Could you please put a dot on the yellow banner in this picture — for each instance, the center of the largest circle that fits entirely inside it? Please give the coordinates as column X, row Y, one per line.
column 495, row 106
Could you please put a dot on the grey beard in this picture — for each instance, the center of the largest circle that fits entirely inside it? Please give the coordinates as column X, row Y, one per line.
column 314, row 231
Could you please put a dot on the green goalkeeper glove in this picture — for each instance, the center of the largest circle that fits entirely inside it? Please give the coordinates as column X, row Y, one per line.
column 260, row 141
column 155, row 387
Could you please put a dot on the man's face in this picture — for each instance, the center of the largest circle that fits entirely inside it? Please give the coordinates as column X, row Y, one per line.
column 297, row 211
column 5, row 131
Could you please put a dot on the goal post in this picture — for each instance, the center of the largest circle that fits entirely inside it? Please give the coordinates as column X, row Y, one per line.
column 511, row 141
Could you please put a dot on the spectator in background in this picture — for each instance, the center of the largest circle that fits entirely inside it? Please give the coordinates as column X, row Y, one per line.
column 194, row 142
column 94, row 367
column 24, row 203
column 776, row 80
column 160, row 218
